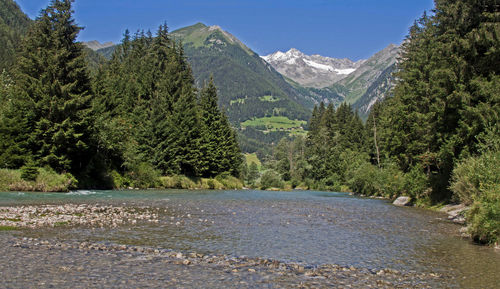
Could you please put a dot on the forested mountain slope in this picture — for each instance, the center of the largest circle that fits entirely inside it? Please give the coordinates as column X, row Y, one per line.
column 13, row 25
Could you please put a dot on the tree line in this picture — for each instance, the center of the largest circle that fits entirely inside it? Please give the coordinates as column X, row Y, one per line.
column 140, row 115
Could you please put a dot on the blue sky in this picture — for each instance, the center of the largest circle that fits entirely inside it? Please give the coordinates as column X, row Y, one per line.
column 355, row 29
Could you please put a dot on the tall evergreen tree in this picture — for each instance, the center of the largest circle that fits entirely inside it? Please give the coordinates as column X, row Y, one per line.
column 219, row 148
column 53, row 82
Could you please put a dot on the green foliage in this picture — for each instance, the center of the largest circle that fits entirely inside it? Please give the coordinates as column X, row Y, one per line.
column 148, row 112
column 370, row 180
column 416, row 184
column 29, row 173
column 13, row 25
column 271, row 179
column 472, row 173
column 7, row 228
column 229, row 182
column 53, row 90
column 119, row 181
column 253, row 173
column 178, row 182
column 144, row 176
column 484, row 216
column 220, row 151
column 219, row 183
column 47, row 181
column 447, row 91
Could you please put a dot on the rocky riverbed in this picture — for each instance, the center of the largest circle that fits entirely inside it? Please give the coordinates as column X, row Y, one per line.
column 243, row 239
column 72, row 215
column 85, row 264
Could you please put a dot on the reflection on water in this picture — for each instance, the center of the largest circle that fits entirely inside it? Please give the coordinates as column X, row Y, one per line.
column 308, row 227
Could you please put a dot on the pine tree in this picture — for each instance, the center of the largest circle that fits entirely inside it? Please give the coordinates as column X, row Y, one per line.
column 52, row 78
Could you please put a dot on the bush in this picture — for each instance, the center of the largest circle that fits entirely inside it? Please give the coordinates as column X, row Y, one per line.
column 29, row 173
column 484, row 216
column 271, row 179
column 46, row 181
column 370, row 180
column 471, row 173
column 364, row 179
column 229, row 182
column 178, row 182
column 145, row 176
column 211, row 184
column 416, row 183
column 119, row 181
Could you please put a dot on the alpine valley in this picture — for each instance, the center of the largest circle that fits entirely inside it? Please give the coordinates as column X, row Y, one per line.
column 269, row 97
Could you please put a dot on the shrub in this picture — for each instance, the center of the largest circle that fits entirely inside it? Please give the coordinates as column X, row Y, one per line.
column 484, row 216
column 371, row 180
column 363, row 181
column 29, row 173
column 178, row 182
column 471, row 173
column 229, row 182
column 271, row 179
column 47, row 181
column 9, row 177
column 144, row 175
column 211, row 184
column 416, row 183
column 119, row 181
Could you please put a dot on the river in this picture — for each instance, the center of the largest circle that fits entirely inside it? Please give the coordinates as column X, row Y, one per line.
column 304, row 227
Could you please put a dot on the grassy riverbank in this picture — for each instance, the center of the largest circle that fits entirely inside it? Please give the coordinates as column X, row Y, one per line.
column 46, row 180
column 42, row 180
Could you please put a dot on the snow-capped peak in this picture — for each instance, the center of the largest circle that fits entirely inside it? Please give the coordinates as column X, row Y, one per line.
column 311, row 70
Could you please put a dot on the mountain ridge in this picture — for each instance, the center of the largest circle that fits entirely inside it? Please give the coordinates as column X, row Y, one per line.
column 96, row 45
column 311, row 70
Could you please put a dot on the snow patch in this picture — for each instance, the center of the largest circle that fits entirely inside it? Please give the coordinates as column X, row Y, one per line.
column 318, row 66
column 345, row 71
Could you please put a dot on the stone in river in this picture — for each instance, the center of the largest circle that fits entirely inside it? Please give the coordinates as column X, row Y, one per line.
column 402, row 201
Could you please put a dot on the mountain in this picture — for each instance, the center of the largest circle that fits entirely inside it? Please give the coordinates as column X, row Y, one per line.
column 326, row 79
column 96, row 45
column 248, row 87
column 13, row 25
column 354, row 87
column 311, row 71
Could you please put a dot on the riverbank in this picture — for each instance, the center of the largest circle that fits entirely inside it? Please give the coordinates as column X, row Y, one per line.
column 46, row 180
column 42, row 180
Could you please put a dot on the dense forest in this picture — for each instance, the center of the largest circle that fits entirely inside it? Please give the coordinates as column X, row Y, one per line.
column 13, row 25
column 436, row 140
column 139, row 117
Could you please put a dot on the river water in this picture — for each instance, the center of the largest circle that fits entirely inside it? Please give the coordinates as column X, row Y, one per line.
column 307, row 227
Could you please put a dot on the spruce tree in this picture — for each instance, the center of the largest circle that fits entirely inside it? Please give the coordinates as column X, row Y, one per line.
column 53, row 81
column 219, row 147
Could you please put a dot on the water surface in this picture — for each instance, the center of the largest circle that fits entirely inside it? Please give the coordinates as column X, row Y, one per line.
column 299, row 226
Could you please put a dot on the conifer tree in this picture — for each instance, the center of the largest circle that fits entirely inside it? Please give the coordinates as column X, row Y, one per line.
column 53, row 82
column 218, row 144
